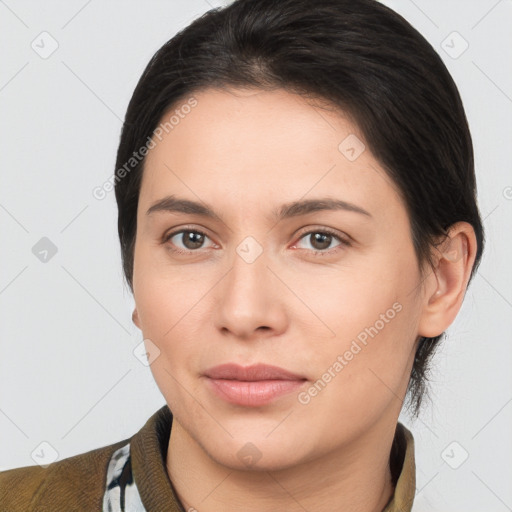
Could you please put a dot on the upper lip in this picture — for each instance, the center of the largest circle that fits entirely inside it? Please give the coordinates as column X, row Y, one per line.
column 231, row 371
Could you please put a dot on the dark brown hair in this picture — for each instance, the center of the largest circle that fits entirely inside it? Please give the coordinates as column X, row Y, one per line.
column 357, row 55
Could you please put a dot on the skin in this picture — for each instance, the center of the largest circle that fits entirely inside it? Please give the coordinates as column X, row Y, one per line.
column 245, row 153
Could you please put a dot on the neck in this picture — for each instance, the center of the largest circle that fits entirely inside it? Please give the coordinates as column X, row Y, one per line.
column 355, row 478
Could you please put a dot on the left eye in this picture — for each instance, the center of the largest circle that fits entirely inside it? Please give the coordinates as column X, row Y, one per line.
column 322, row 240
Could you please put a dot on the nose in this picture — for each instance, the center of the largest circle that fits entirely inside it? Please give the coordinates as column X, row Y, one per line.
column 249, row 301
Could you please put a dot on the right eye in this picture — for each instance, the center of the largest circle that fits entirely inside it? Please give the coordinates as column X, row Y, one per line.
column 190, row 240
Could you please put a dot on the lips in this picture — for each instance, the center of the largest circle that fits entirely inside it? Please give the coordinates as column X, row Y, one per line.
column 252, row 386
column 252, row 373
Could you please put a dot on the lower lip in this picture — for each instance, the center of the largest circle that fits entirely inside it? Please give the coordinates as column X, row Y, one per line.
column 253, row 393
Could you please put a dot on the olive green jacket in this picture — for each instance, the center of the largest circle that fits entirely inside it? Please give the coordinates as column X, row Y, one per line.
column 131, row 475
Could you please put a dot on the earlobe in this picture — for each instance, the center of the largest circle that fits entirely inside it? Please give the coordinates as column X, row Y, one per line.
column 449, row 278
column 135, row 318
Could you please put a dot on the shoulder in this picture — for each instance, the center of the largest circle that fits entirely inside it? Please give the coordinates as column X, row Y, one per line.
column 79, row 479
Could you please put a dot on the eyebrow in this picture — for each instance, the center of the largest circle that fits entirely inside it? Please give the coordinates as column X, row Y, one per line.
column 285, row 211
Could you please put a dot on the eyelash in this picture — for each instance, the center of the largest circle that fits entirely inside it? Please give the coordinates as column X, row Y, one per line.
column 344, row 243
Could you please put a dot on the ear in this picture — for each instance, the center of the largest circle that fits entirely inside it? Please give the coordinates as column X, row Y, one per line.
column 446, row 284
column 135, row 318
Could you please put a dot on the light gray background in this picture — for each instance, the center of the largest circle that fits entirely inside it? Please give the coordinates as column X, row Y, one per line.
column 68, row 375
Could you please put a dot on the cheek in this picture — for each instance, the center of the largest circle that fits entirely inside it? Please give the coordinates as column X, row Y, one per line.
column 365, row 332
column 169, row 309
column 369, row 317
column 163, row 295
column 340, row 303
column 364, row 371
column 174, row 310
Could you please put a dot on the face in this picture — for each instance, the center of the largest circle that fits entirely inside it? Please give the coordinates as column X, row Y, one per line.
column 297, row 254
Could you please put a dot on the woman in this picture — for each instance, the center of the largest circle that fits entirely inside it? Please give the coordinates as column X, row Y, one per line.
column 298, row 225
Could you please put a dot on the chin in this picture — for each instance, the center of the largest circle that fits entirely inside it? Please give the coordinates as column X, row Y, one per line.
column 259, row 455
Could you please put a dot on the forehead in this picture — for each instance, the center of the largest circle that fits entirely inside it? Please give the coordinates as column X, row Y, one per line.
column 257, row 145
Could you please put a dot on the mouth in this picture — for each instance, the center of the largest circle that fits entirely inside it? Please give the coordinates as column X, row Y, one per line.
column 252, row 386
